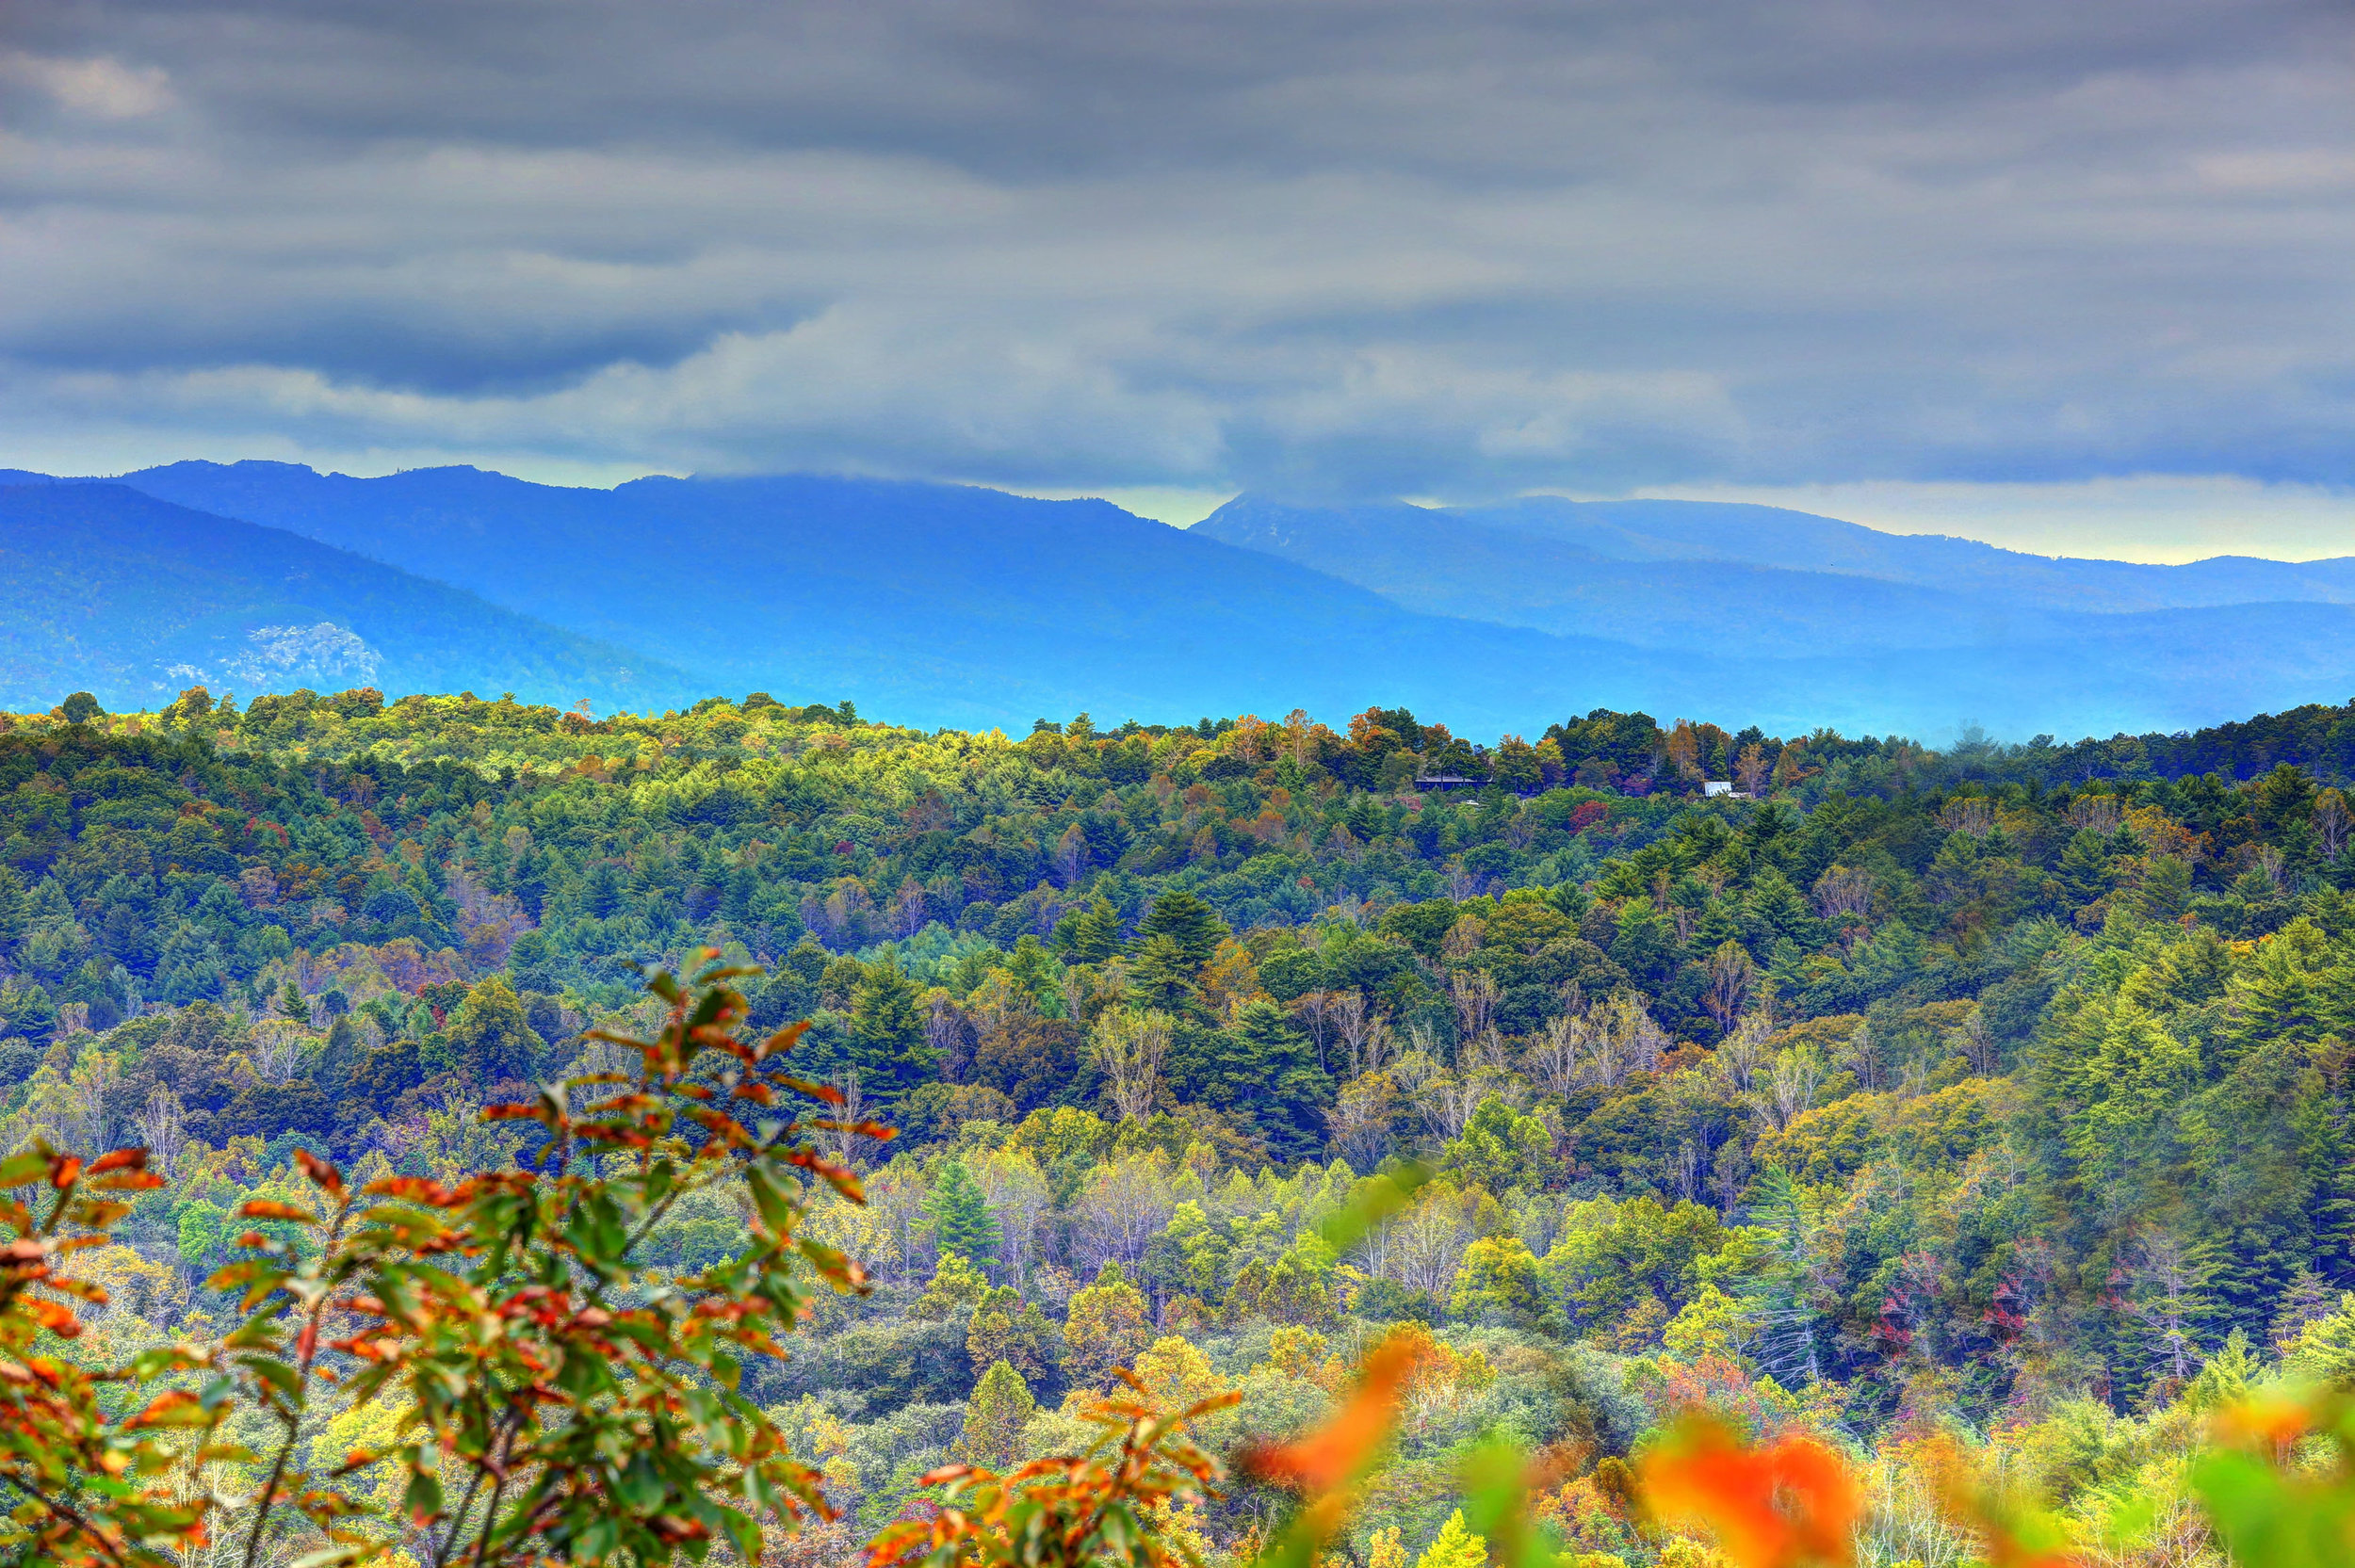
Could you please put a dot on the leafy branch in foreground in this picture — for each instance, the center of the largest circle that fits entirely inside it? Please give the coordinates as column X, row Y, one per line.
column 557, row 1398
column 80, row 1487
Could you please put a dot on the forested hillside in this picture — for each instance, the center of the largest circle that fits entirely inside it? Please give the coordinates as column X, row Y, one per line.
column 1997, row 1095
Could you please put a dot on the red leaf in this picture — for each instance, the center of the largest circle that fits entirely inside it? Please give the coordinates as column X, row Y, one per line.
column 270, row 1208
column 323, row 1174
column 57, row 1320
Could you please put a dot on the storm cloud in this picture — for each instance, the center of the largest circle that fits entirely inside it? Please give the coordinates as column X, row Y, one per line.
column 1319, row 246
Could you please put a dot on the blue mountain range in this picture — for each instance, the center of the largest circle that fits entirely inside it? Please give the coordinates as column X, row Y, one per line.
column 953, row 606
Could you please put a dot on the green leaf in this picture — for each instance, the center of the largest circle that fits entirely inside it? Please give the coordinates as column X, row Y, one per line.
column 423, row 1497
column 777, row 1209
column 276, row 1373
column 257, row 1332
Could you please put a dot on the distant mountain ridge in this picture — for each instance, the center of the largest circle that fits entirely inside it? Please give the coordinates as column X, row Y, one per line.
column 108, row 590
column 955, row 606
column 929, row 604
column 1776, row 583
column 1777, row 537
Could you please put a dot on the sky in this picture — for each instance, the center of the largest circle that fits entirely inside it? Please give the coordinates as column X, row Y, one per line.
column 2069, row 277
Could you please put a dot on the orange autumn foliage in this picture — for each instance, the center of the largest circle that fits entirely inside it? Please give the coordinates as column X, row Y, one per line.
column 1337, row 1452
column 1325, row 1465
column 1794, row 1505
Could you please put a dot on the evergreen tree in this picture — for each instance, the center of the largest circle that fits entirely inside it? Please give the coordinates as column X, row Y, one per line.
column 1187, row 921
column 1090, row 936
column 1162, row 979
column 962, row 1221
column 1278, row 1079
column 1032, row 968
column 2084, row 872
column 887, row 1032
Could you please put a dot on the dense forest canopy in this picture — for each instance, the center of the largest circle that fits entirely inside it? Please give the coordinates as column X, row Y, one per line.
column 2000, row 1091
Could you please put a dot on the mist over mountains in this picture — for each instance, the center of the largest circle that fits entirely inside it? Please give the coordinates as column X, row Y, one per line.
column 943, row 605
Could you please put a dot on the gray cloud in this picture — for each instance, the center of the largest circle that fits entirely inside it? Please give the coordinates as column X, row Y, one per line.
column 1323, row 247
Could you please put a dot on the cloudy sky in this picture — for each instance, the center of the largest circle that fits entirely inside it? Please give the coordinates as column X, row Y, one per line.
column 2067, row 275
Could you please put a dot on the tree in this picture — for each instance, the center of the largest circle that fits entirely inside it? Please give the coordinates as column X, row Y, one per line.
column 962, row 1221
column 1360, row 1120
column 1090, row 936
column 2166, row 1291
column 1280, row 1082
column 1500, row 1149
column 1710, row 1324
column 1161, row 976
column 2324, row 1348
column 1730, row 975
column 1187, row 922
column 1128, row 1048
column 1176, row 1374
column 80, row 708
column 1006, row 1328
column 2166, row 890
column 2333, row 821
column 163, row 1127
column 2083, row 875
column 1106, row 1330
column 887, row 1033
column 1498, row 1282
column 494, row 1034
column 1751, row 769
column 1018, row 1196
column 956, row 1288
column 1001, row 1408
column 1455, row 1547
column 1123, row 1205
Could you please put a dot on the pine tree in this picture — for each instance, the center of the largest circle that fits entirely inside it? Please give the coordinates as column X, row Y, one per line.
column 2084, row 872
column 1091, row 935
column 1280, row 1081
column 962, row 1221
column 887, row 1033
column 1189, row 922
column 1162, row 979
column 1001, row 1406
column 1032, row 967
